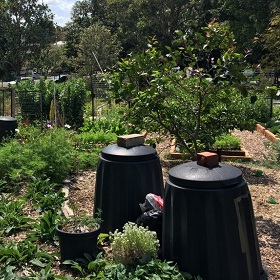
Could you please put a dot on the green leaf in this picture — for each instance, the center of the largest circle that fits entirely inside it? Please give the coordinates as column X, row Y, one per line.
column 37, row 262
column 272, row 200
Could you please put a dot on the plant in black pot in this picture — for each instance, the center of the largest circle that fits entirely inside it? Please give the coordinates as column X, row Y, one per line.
column 78, row 235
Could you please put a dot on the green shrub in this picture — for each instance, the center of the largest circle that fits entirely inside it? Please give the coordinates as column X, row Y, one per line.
column 110, row 122
column 87, row 159
column 72, row 98
column 85, row 140
column 155, row 269
column 18, row 162
column 23, row 252
column 55, row 148
column 45, row 155
column 35, row 98
column 88, row 145
column 101, row 268
column 275, row 129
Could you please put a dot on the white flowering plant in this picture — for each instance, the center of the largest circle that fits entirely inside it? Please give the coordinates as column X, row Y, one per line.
column 136, row 244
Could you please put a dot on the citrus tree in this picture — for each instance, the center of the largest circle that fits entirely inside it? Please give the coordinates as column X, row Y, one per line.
column 195, row 91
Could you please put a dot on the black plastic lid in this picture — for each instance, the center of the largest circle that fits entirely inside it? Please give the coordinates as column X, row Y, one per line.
column 137, row 153
column 192, row 175
column 7, row 119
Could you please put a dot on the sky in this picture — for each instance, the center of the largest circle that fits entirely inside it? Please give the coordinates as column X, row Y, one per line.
column 61, row 10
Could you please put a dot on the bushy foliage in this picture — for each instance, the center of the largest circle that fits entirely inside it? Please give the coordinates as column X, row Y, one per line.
column 195, row 92
column 134, row 244
column 55, row 149
column 72, row 97
column 35, row 99
column 48, row 154
column 227, row 141
column 18, row 162
column 111, row 121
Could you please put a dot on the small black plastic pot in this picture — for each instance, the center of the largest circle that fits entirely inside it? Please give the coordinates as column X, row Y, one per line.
column 74, row 245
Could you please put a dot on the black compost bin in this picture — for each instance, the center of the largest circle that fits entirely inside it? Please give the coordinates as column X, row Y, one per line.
column 7, row 127
column 123, row 179
column 208, row 223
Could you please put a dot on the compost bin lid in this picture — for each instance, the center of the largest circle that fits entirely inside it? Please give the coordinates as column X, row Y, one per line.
column 7, row 119
column 138, row 153
column 192, row 175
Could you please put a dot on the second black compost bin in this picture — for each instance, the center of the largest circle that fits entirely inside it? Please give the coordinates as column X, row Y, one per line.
column 208, row 223
column 123, row 179
column 8, row 126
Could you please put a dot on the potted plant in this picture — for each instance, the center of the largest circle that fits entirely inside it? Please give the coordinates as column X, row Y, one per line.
column 78, row 235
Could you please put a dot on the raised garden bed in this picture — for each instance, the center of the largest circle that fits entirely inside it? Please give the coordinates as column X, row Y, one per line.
column 268, row 135
column 241, row 154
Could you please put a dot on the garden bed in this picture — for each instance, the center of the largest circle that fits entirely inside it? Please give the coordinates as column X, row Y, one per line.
column 268, row 134
column 226, row 155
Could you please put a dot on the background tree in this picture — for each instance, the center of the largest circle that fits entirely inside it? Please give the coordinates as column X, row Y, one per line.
column 248, row 19
column 135, row 21
column 87, row 12
column 53, row 60
column 97, row 48
column 271, row 44
column 83, row 15
column 26, row 29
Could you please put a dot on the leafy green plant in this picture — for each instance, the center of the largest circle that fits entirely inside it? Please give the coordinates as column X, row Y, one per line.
column 272, row 200
column 45, row 155
column 156, row 269
column 103, row 269
column 111, row 121
column 45, row 195
column 22, row 252
column 86, row 140
column 259, row 173
column 198, row 101
column 17, row 162
column 72, row 98
column 80, row 222
column 88, row 145
column 84, row 160
column 227, row 141
column 89, row 266
column 135, row 244
column 12, row 217
column 35, row 98
column 44, row 229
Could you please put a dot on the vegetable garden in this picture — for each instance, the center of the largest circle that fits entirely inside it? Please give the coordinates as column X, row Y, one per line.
column 148, row 93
